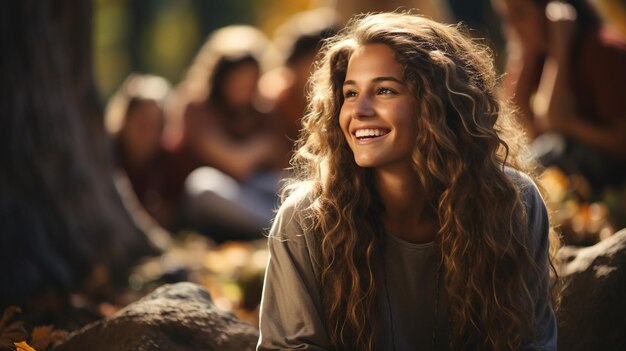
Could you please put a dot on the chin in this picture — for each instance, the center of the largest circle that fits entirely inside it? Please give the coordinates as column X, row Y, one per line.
column 365, row 163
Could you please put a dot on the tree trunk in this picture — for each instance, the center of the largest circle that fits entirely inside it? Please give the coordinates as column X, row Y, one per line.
column 60, row 214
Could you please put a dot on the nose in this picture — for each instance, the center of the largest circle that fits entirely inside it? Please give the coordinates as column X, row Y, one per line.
column 363, row 107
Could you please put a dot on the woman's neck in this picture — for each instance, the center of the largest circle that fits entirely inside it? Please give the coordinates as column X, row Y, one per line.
column 407, row 215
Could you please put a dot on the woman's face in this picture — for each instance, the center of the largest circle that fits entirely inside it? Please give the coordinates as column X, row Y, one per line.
column 143, row 131
column 378, row 115
column 240, row 85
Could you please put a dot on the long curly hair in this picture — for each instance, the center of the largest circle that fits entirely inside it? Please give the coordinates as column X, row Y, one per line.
column 460, row 154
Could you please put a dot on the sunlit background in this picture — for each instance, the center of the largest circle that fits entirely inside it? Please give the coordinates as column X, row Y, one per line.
column 162, row 36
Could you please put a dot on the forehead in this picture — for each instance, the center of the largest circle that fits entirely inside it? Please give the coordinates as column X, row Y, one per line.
column 373, row 60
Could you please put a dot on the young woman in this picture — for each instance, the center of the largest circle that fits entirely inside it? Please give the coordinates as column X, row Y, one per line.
column 409, row 224
column 135, row 120
column 229, row 153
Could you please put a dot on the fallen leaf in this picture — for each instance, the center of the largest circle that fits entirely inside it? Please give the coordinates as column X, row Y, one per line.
column 43, row 336
column 8, row 314
column 11, row 328
column 23, row 346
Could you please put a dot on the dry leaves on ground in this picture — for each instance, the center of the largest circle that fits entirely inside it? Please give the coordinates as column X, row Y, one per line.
column 14, row 334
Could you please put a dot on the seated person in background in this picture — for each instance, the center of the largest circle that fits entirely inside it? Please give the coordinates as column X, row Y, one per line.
column 231, row 153
column 567, row 75
column 134, row 118
column 298, row 41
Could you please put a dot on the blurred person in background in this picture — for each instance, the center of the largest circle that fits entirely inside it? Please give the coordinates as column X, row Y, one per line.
column 228, row 150
column 478, row 15
column 135, row 120
column 566, row 73
column 298, row 40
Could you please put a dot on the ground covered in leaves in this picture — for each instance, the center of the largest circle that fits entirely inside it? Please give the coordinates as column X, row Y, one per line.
column 232, row 272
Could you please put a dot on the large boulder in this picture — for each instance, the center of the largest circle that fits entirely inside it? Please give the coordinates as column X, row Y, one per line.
column 174, row 317
column 593, row 308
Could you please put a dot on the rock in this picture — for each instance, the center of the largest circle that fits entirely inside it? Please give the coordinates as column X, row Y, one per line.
column 174, row 318
column 593, row 308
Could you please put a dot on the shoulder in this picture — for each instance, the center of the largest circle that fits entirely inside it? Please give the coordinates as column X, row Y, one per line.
column 293, row 218
column 530, row 196
column 528, row 190
column 292, row 237
column 534, row 207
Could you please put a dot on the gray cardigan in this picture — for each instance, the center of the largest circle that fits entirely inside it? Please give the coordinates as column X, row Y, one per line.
column 291, row 307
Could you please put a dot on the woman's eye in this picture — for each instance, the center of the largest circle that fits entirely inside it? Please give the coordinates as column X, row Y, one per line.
column 349, row 94
column 385, row 91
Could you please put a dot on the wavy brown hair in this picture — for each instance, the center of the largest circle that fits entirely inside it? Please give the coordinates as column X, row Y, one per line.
column 460, row 154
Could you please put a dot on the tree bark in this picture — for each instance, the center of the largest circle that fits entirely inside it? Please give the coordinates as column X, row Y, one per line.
column 60, row 214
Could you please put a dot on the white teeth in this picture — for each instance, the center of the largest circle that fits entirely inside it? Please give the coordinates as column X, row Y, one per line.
column 369, row 133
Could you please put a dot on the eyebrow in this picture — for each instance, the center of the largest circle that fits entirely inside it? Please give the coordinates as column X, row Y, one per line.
column 376, row 80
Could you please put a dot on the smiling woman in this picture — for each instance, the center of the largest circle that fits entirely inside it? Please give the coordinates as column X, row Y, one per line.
column 411, row 222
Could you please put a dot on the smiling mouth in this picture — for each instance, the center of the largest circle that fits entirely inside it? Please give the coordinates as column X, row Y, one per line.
column 365, row 134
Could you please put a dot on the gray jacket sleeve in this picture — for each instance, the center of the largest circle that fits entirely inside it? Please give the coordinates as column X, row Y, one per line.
column 290, row 317
column 546, row 332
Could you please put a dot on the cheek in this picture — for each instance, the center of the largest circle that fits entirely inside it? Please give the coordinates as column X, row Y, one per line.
column 344, row 120
column 407, row 124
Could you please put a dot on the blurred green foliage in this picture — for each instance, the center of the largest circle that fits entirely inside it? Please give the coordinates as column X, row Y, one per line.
column 156, row 36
